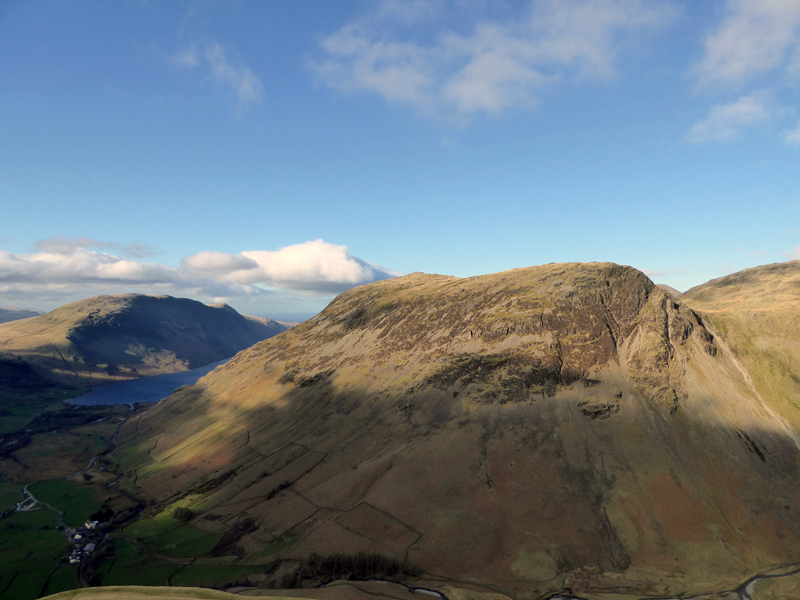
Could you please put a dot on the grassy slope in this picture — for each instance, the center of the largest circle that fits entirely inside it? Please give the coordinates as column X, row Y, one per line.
column 143, row 593
column 757, row 311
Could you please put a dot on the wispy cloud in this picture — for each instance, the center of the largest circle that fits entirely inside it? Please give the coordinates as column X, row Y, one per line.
column 726, row 121
column 224, row 67
column 755, row 37
column 62, row 270
column 793, row 254
column 792, row 136
column 491, row 65
column 756, row 45
column 62, row 245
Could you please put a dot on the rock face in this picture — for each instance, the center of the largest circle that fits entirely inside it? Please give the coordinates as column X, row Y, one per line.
column 566, row 428
column 108, row 338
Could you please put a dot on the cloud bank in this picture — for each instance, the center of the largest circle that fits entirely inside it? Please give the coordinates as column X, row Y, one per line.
column 63, row 270
column 490, row 65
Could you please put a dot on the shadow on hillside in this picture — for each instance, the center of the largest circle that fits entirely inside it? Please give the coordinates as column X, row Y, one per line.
column 604, row 492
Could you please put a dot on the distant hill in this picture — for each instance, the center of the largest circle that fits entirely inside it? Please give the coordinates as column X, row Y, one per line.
column 670, row 290
column 565, row 429
column 8, row 314
column 757, row 312
column 109, row 338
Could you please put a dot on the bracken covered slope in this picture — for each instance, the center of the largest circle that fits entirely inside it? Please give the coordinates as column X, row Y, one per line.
column 564, row 428
column 107, row 338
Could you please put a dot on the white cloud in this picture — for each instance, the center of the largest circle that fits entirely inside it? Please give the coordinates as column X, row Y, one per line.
column 726, row 121
column 218, row 262
column 754, row 38
column 316, row 266
column 64, row 270
column 494, row 65
column 224, row 67
column 792, row 136
column 793, row 254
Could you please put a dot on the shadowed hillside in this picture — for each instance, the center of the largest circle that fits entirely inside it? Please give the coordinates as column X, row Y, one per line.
column 109, row 338
column 567, row 428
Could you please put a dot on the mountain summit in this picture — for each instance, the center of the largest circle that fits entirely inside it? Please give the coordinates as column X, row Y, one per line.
column 569, row 428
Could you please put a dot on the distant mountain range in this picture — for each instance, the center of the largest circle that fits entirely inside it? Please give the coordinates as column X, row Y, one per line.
column 111, row 338
column 14, row 314
column 569, row 428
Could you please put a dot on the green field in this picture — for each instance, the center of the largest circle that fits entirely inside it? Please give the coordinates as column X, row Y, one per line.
column 65, row 577
column 76, row 499
column 163, row 534
column 19, row 408
column 10, row 494
column 18, row 417
column 30, row 549
column 27, row 585
column 160, row 523
column 185, row 541
column 132, row 567
column 211, row 575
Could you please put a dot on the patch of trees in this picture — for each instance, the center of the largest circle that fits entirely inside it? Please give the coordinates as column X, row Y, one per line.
column 102, row 516
column 279, row 488
column 183, row 514
column 65, row 419
column 17, row 375
column 11, row 444
column 355, row 567
column 209, row 485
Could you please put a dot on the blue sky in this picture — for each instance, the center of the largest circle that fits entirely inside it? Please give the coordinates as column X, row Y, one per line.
column 272, row 154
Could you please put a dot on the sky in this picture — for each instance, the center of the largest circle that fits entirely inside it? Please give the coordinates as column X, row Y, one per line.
column 272, row 154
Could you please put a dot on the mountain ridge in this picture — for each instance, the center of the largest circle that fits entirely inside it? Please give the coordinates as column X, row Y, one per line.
column 8, row 313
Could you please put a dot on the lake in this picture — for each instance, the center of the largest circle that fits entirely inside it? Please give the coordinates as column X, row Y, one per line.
column 146, row 389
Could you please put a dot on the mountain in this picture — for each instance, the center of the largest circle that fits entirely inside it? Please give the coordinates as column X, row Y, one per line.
column 108, row 338
column 568, row 428
column 13, row 314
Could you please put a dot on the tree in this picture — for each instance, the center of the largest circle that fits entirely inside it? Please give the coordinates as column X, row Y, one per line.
column 183, row 514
